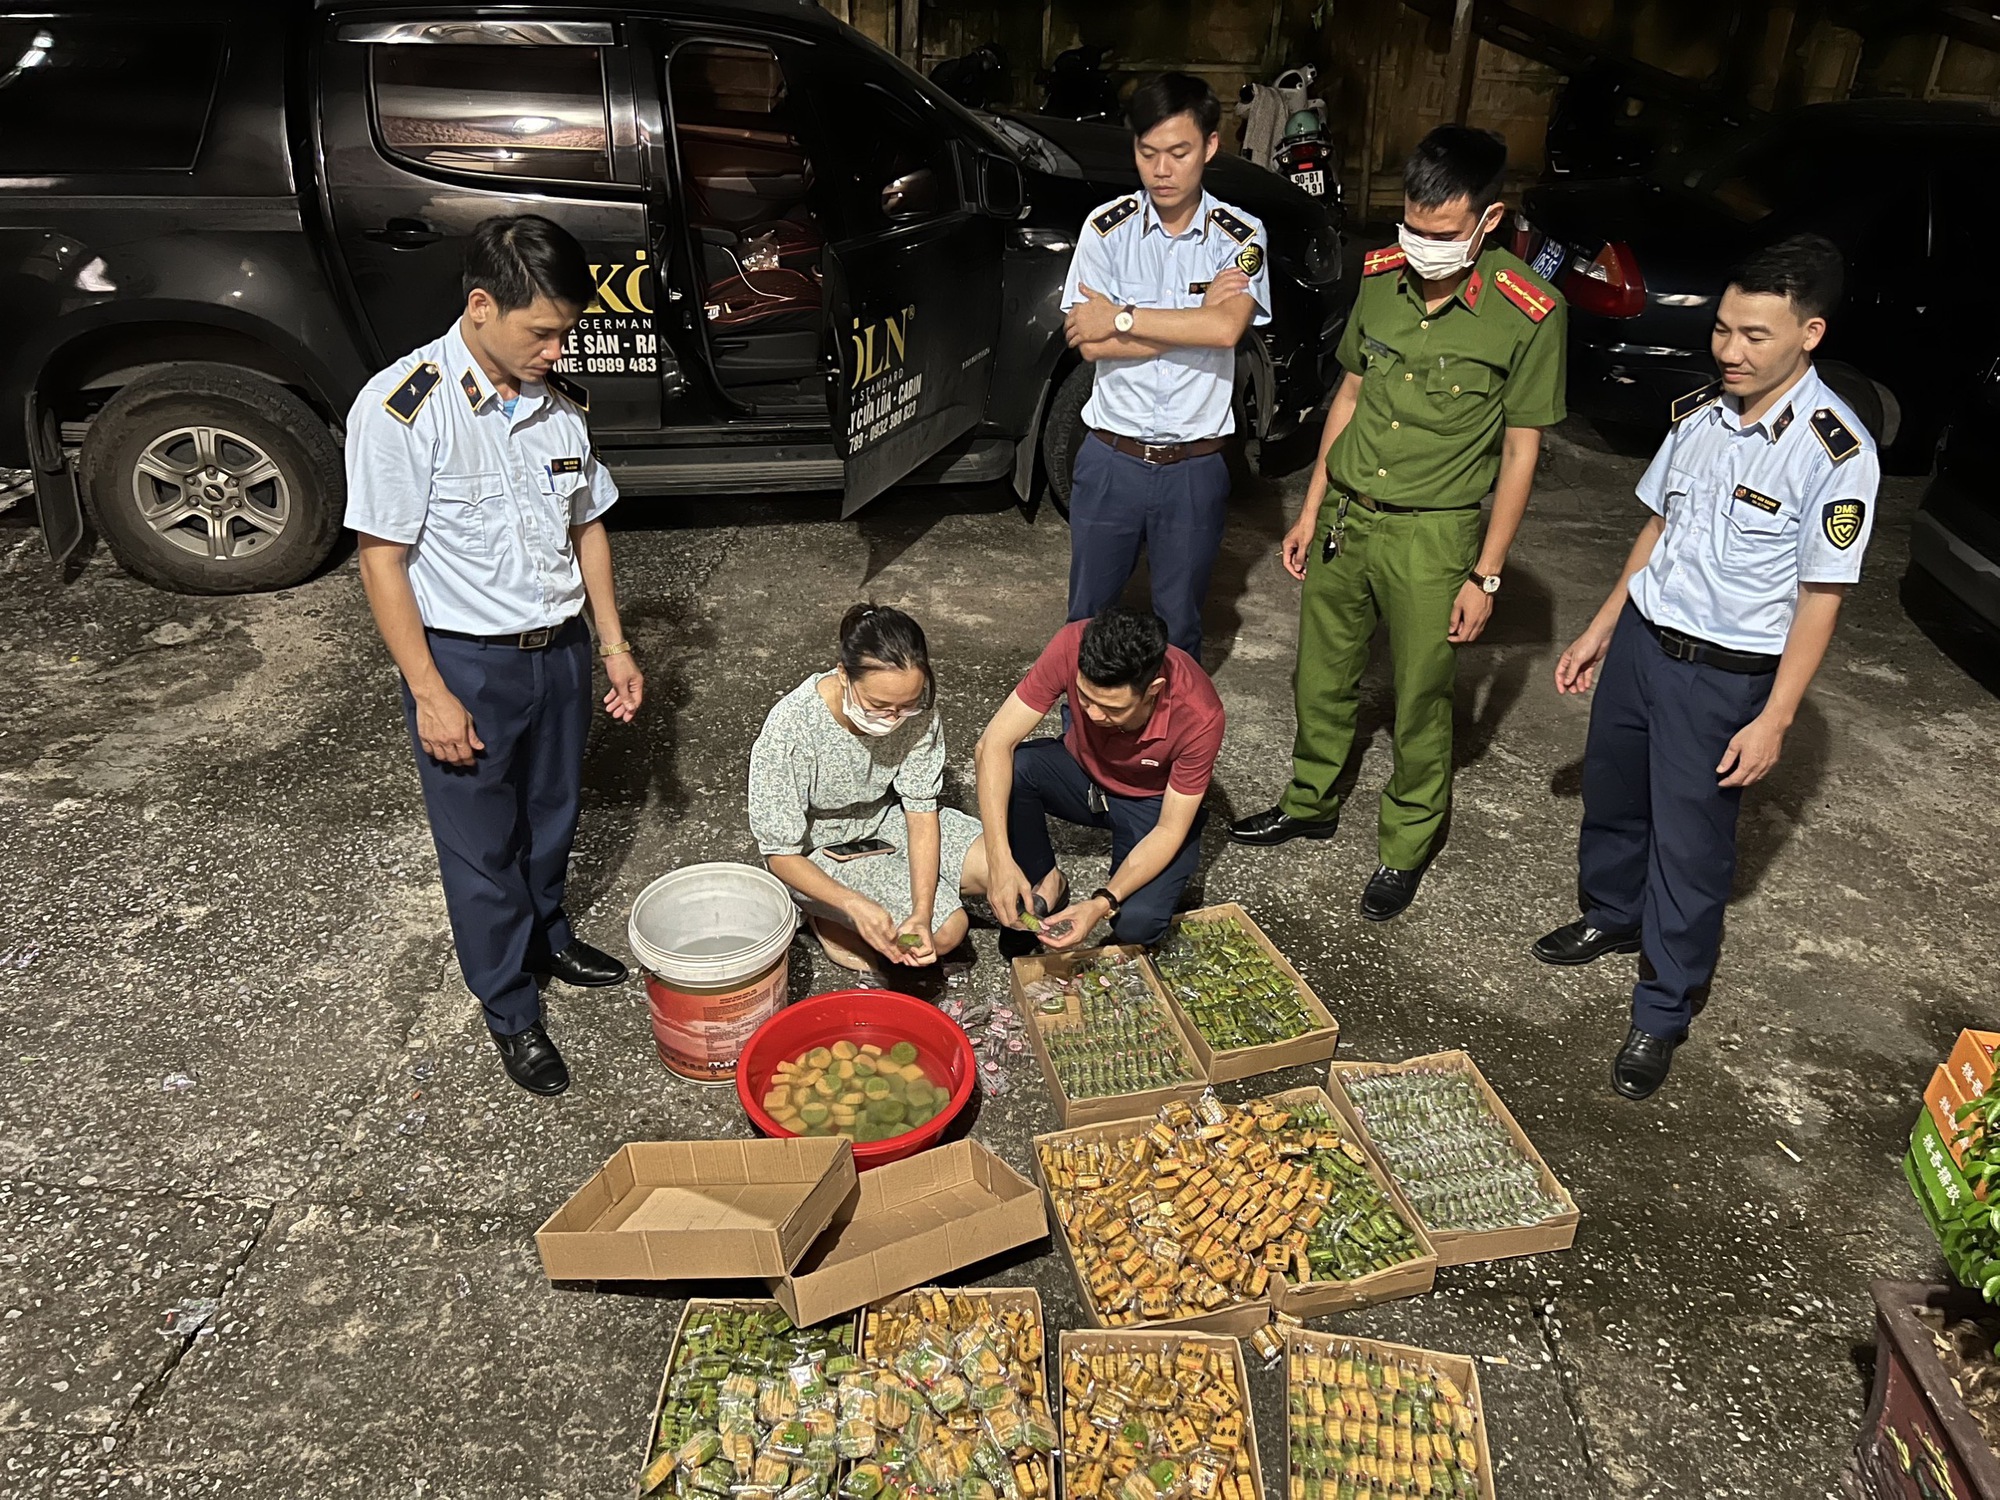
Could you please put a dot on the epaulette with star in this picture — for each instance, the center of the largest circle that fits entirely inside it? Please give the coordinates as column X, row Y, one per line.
column 407, row 399
column 1232, row 226
column 577, row 393
column 1531, row 299
column 1115, row 215
column 1694, row 401
column 1833, row 434
column 1375, row 262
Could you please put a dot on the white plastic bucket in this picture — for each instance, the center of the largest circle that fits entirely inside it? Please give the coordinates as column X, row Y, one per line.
column 715, row 941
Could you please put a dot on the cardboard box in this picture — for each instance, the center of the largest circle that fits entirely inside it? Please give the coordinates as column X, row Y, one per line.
column 1070, row 1112
column 1971, row 1063
column 1942, row 1099
column 1315, row 1046
column 1414, row 1277
column 912, row 1221
column 1459, row 1247
column 1165, row 1343
column 695, row 1308
column 1234, row 1319
column 1462, row 1370
column 666, row 1210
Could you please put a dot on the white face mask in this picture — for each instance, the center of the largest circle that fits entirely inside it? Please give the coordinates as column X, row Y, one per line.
column 870, row 724
column 1434, row 260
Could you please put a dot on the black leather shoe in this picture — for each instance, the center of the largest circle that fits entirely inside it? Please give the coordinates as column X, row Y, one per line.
column 1580, row 943
column 1641, row 1064
column 1276, row 826
column 1388, row 892
column 532, row 1061
column 581, row 964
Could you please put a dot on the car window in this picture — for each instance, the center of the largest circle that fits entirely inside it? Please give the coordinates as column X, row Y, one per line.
column 107, row 94
column 893, row 160
column 534, row 112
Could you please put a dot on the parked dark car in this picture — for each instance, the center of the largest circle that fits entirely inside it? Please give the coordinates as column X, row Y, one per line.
column 1905, row 189
column 815, row 270
column 1955, row 535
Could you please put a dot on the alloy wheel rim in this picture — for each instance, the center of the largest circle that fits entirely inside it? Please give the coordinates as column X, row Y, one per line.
column 211, row 492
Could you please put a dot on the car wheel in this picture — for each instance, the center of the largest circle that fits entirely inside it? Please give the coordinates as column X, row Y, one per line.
column 206, row 480
column 1063, row 433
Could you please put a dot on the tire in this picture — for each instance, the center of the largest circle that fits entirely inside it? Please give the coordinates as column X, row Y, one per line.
column 163, row 465
column 1063, row 433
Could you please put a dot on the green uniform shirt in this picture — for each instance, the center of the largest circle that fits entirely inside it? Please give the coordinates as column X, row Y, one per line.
column 1439, row 388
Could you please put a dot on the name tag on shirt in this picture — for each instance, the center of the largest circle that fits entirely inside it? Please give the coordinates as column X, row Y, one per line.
column 559, row 466
column 1764, row 503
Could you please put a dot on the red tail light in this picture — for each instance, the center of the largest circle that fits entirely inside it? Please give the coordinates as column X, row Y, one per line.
column 1609, row 286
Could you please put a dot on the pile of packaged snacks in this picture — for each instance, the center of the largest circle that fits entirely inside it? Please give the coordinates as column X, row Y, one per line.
column 1449, row 1153
column 1107, row 1032
column 1155, row 1424
column 1364, row 1428
column 1233, row 991
column 950, row 1401
column 749, row 1410
column 1194, row 1213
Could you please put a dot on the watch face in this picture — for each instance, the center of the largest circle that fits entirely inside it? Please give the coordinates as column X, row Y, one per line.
column 1123, row 322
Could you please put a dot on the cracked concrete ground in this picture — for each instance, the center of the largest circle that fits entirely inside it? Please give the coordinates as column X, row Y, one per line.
column 267, row 1202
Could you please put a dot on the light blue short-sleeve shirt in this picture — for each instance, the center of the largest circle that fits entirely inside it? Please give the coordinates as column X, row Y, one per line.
column 1753, row 511
column 485, row 499
column 1123, row 251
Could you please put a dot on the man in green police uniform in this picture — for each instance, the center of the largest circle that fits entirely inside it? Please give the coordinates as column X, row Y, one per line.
column 1455, row 358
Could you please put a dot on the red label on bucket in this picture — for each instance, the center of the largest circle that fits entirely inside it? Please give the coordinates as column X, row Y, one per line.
column 701, row 1034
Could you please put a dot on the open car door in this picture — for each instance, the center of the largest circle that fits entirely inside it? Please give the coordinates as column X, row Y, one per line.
column 912, row 275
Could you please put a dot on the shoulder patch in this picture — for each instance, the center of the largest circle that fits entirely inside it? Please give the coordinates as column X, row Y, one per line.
column 1249, row 260
column 1375, row 262
column 1232, row 226
column 1841, row 521
column 575, row 390
column 1694, row 401
column 407, row 399
column 1115, row 215
column 1532, row 300
column 1833, row 435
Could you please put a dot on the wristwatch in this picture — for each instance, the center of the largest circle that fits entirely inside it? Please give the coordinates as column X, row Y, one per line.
column 1103, row 893
column 1488, row 582
column 1123, row 322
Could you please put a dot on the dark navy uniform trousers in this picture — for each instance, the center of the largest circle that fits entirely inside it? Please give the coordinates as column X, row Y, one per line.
column 1049, row 782
column 503, row 827
column 1119, row 502
column 1658, row 850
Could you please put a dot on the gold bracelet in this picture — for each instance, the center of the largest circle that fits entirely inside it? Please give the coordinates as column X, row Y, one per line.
column 623, row 648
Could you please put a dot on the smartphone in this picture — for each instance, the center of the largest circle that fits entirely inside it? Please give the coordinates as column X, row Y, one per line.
column 857, row 849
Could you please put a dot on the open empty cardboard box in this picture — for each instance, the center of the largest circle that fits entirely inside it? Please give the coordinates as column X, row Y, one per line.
column 792, row 1214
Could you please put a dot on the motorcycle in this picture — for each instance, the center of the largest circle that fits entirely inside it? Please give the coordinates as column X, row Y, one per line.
column 1076, row 86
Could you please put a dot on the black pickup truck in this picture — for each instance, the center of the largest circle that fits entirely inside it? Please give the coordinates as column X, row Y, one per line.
column 814, row 269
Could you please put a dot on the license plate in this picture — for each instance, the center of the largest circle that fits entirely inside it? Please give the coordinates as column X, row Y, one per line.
column 1549, row 259
column 1313, row 182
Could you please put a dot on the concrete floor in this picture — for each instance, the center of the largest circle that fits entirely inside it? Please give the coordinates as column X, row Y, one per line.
column 217, row 867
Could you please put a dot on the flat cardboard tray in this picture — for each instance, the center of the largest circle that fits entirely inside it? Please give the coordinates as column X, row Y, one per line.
column 1461, row 1368
column 1460, row 1247
column 1317, row 1045
column 1071, row 1112
column 1236, row 1318
column 666, row 1210
column 1165, row 1341
column 1414, row 1277
column 910, row 1222
column 695, row 1306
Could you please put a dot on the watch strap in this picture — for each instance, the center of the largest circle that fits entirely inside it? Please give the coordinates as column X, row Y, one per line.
column 1103, row 893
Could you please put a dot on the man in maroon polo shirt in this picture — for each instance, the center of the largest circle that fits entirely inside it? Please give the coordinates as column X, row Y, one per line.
column 1144, row 728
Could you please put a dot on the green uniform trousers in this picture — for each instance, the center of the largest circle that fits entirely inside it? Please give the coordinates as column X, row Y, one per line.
column 1405, row 568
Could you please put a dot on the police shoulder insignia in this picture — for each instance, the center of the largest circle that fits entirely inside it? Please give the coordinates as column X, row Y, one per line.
column 1232, row 226
column 1375, row 262
column 407, row 399
column 1694, row 401
column 573, row 389
column 1532, row 300
column 1250, row 259
column 1841, row 521
column 1835, row 438
column 1115, row 215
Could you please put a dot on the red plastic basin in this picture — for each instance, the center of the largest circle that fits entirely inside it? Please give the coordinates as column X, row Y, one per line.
column 861, row 1016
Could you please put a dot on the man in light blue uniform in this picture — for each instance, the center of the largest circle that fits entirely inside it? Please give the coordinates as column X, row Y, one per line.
column 1162, row 288
column 479, row 507
column 1763, row 498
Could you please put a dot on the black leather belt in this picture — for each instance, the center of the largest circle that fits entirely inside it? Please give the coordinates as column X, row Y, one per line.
column 1367, row 502
column 1706, row 653
column 1160, row 453
column 521, row 640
